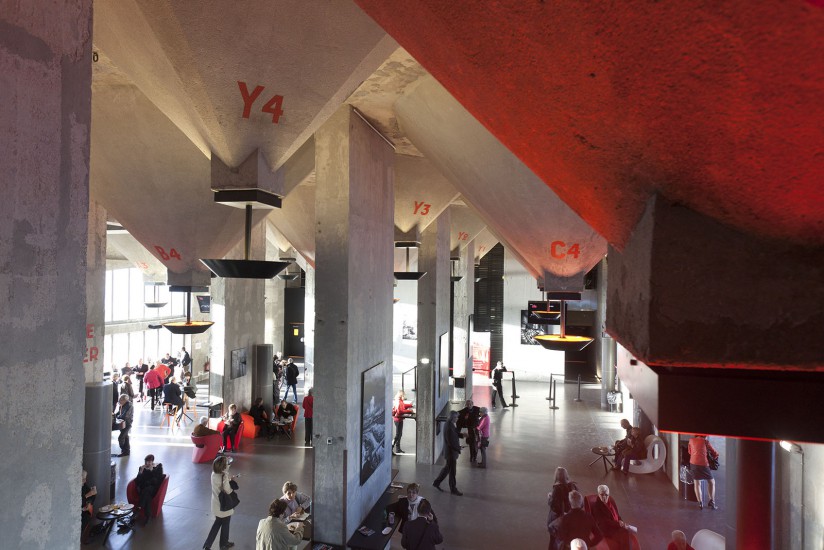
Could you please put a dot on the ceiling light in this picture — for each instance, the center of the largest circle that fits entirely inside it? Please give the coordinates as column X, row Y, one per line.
column 189, row 327
column 562, row 342
column 153, row 295
column 791, row 447
column 245, row 268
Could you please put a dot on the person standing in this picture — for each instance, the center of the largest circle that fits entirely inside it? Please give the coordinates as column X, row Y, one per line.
column 308, row 406
column 422, row 533
column 452, row 450
column 140, row 371
column 497, row 377
column 292, row 373
column 700, row 468
column 220, row 484
column 154, row 381
column 558, row 497
column 123, row 421
column 468, row 418
column 185, row 358
column 115, row 389
column 483, row 432
column 400, row 410
column 126, row 387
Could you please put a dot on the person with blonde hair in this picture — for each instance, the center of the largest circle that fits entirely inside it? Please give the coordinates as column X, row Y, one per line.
column 221, row 483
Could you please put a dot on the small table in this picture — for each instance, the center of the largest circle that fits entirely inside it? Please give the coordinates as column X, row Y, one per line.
column 109, row 516
column 283, row 427
column 603, row 454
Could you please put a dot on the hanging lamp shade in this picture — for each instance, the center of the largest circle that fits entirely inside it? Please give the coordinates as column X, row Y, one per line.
column 154, row 295
column 188, row 326
column 408, row 275
column 245, row 268
column 288, row 276
column 562, row 341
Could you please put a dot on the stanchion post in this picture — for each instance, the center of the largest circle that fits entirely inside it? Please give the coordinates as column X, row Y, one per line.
column 578, row 399
column 554, row 395
column 514, row 395
column 549, row 397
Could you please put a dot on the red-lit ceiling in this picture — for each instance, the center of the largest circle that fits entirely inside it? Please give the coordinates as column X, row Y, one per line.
column 716, row 105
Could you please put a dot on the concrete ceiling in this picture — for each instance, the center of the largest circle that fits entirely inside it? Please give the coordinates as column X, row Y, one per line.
column 714, row 105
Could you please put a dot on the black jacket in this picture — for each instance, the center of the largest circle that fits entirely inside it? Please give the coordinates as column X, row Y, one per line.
column 401, row 509
column 468, row 418
column 292, row 374
column 171, row 394
column 421, row 534
column 451, row 440
column 576, row 524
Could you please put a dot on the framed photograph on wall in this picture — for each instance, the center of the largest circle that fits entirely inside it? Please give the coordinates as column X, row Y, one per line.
column 238, row 366
column 373, row 425
column 529, row 330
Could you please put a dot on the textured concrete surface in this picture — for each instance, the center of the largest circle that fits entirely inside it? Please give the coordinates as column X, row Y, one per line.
column 44, row 138
column 713, row 105
column 433, row 321
column 353, row 308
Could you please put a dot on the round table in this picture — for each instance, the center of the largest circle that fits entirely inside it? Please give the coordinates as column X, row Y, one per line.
column 603, row 454
column 109, row 516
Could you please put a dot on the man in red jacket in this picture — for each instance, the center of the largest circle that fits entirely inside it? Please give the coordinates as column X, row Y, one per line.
column 153, row 380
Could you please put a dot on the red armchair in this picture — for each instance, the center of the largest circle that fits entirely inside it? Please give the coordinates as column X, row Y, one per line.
column 235, row 441
column 157, row 501
column 206, row 448
column 250, row 430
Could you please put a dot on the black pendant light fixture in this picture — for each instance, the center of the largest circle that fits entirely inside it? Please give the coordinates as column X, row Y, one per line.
column 563, row 342
column 408, row 275
column 189, row 327
column 245, row 268
column 288, row 276
column 454, row 262
column 154, row 295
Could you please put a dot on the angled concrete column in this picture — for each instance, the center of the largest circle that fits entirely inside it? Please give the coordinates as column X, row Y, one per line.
column 44, row 158
column 462, row 306
column 97, row 438
column 273, row 332
column 309, row 327
column 353, row 319
column 606, row 352
column 433, row 321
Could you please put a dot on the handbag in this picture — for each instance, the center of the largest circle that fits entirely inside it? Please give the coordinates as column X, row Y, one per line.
column 713, row 461
column 229, row 501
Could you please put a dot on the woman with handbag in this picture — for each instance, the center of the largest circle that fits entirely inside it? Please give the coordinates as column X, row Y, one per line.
column 220, row 484
column 700, row 454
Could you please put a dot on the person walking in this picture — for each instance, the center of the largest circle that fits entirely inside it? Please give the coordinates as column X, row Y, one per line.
column 308, row 406
column 468, row 418
column 220, row 483
column 698, row 448
column 483, row 432
column 452, row 450
column 497, row 377
column 400, row 410
column 123, row 421
column 292, row 373
column 154, row 383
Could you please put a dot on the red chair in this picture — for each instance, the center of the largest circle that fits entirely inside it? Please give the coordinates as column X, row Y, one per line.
column 157, row 501
column 250, row 429
column 235, row 441
column 206, row 448
column 606, row 543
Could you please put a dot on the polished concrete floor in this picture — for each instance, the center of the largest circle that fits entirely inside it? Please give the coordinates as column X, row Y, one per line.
column 504, row 506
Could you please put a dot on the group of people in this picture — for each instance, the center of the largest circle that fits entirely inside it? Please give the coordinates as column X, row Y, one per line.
column 283, row 415
column 571, row 519
column 283, row 526
column 288, row 370
column 476, row 421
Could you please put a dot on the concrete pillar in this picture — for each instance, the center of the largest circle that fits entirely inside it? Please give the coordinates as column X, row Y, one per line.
column 309, row 327
column 273, row 332
column 263, row 374
column 97, row 447
column 755, row 466
column 433, row 322
column 44, row 159
column 605, row 356
column 238, row 313
column 462, row 307
column 353, row 319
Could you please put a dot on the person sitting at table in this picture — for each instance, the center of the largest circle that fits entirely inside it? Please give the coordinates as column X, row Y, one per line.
column 422, row 533
column 258, row 413
column 203, row 429
column 173, row 396
column 679, row 541
column 87, row 494
column 407, row 508
column 608, row 520
column 148, row 481
column 285, row 412
column 296, row 503
column 274, row 534
column 231, row 423
column 621, row 444
column 635, row 450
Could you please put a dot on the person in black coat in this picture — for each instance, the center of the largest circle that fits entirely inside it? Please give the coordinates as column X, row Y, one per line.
column 292, row 373
column 173, row 394
column 452, row 450
column 149, row 478
column 575, row 524
column 408, row 508
column 497, row 377
column 231, row 424
column 468, row 418
column 422, row 533
column 558, row 498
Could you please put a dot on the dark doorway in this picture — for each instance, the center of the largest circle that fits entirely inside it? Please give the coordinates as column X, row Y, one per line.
column 293, row 312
